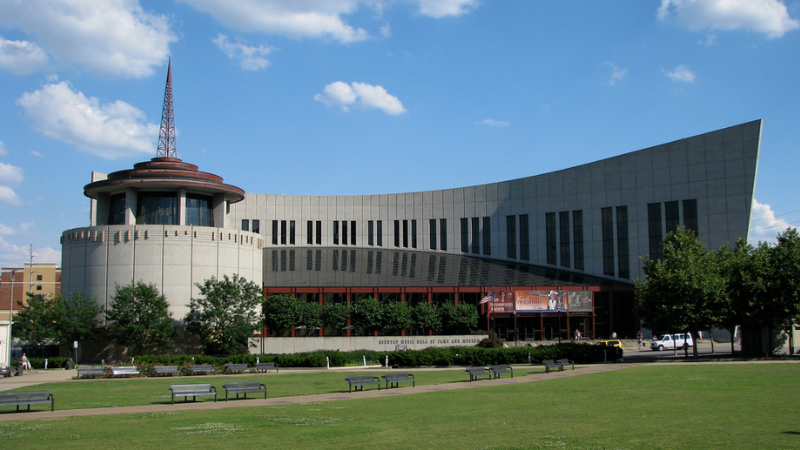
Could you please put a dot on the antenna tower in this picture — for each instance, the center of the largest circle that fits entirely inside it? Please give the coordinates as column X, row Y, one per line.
column 166, row 136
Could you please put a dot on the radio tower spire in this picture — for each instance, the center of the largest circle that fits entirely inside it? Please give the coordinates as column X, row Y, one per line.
column 166, row 137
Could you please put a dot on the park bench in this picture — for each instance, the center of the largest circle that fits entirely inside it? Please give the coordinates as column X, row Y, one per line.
column 166, row 370
column 476, row 372
column 362, row 380
column 266, row 366
column 499, row 369
column 393, row 379
column 91, row 371
column 549, row 365
column 27, row 398
column 204, row 368
column 124, row 371
column 192, row 390
column 564, row 363
column 237, row 368
column 244, row 387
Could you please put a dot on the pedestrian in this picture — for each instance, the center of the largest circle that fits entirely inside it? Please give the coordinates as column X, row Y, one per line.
column 25, row 363
column 640, row 336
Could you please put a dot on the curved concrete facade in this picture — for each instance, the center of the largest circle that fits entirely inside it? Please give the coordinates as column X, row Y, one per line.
column 172, row 257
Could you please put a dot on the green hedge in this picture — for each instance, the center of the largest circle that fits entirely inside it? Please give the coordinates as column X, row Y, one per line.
column 38, row 363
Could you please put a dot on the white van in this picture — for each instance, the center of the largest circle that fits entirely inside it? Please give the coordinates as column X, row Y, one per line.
column 671, row 341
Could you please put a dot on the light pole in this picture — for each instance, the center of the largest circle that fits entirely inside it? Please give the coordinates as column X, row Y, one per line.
column 11, row 314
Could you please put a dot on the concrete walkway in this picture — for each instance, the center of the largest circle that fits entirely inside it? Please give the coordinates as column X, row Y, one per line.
column 35, row 377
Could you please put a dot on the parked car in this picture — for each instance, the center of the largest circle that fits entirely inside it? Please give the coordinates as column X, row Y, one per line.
column 670, row 341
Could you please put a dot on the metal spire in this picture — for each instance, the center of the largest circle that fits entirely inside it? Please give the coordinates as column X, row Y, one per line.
column 166, row 137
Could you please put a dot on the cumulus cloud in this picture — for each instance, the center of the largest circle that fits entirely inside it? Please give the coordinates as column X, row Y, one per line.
column 109, row 37
column 313, row 18
column 494, row 123
column 770, row 17
column 112, row 130
column 12, row 255
column 3, row 151
column 10, row 174
column 680, row 73
column 617, row 74
column 361, row 95
column 21, row 57
column 249, row 57
column 764, row 225
column 9, row 197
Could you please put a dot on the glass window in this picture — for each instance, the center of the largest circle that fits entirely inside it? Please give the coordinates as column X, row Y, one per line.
column 319, row 232
column 623, row 252
column 443, row 234
column 413, row 233
column 671, row 216
column 654, row 229
column 690, row 215
column 291, row 232
column 352, row 232
column 464, row 235
column 405, row 233
column 335, row 232
column 256, row 226
column 274, row 232
column 245, row 225
column 524, row 240
column 370, row 233
column 563, row 227
column 309, row 233
column 157, row 208
column 487, row 236
column 199, row 212
column 38, row 278
column 432, row 226
column 116, row 210
column 476, row 235
column 577, row 237
column 607, row 217
column 379, row 233
column 344, row 232
column 283, row 232
column 550, row 236
column 511, row 236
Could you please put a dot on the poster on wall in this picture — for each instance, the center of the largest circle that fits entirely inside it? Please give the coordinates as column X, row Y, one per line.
column 553, row 301
column 503, row 302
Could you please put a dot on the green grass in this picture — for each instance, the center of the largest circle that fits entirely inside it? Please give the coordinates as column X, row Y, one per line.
column 649, row 407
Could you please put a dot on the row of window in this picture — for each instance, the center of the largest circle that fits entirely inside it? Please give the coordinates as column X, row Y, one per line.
column 161, row 208
column 560, row 242
column 473, row 236
column 671, row 213
column 518, row 232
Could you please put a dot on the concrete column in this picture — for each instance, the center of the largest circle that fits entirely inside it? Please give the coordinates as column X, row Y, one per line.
column 131, row 200
column 182, row 206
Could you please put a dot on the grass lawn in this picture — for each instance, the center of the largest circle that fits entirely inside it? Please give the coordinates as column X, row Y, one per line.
column 681, row 406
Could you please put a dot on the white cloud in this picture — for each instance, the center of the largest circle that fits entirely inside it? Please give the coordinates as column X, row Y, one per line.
column 47, row 255
column 362, row 95
column 21, row 57
column 764, row 226
column 495, row 123
column 617, row 74
column 36, row 154
column 112, row 130
column 110, row 37
column 12, row 255
column 316, row 19
column 9, row 197
column 770, row 17
column 3, row 151
column 680, row 73
column 250, row 58
column 10, row 174
column 6, row 231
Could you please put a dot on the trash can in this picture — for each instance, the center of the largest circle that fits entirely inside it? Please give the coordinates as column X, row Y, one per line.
column 20, row 367
column 69, row 363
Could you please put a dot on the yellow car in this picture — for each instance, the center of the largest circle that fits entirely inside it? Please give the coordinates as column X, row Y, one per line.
column 611, row 343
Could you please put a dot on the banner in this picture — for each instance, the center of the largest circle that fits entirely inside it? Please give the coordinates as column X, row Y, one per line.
column 503, row 302
column 553, row 301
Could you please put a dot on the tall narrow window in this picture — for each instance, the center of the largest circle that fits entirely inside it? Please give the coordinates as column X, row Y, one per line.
column 577, row 237
column 607, row 217
column 379, row 233
column 245, row 225
column 487, row 236
column 291, row 233
column 623, row 252
column 256, row 226
column 654, row 229
column 690, row 215
column 550, row 237
column 671, row 216
column 524, row 239
column 352, row 232
column 116, row 210
column 370, row 232
column 319, row 232
column 335, row 232
column 309, row 233
column 432, row 226
column 476, row 235
column 344, row 232
column 563, row 227
column 283, row 232
column 274, row 232
column 405, row 233
column 511, row 237
column 413, row 233
column 397, row 233
column 464, row 235
column 443, row 234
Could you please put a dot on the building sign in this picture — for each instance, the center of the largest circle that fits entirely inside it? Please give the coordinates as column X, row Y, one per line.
column 538, row 301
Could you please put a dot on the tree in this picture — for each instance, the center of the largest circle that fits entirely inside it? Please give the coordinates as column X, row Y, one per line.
column 684, row 291
column 140, row 317
column 397, row 317
column 367, row 314
column 280, row 313
column 225, row 315
column 309, row 316
column 34, row 322
column 335, row 315
column 427, row 317
column 458, row 319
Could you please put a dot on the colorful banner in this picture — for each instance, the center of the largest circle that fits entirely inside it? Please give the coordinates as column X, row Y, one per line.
column 537, row 301
column 503, row 302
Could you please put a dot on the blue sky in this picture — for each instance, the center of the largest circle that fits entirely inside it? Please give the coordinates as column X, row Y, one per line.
column 332, row 97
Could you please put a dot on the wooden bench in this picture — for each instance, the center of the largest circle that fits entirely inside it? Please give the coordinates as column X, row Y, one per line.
column 167, row 370
column 564, row 363
column 237, row 368
column 362, row 380
column 393, row 379
column 549, row 365
column 499, row 369
column 266, row 367
column 124, row 371
column 201, row 368
column 244, row 387
column 91, row 372
column 192, row 390
column 476, row 372
column 27, row 398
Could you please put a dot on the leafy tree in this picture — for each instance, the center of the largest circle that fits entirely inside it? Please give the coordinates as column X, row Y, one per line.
column 280, row 312
column 140, row 317
column 397, row 317
column 458, row 319
column 427, row 317
column 34, row 322
column 309, row 316
column 335, row 316
column 684, row 290
column 225, row 315
column 367, row 314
